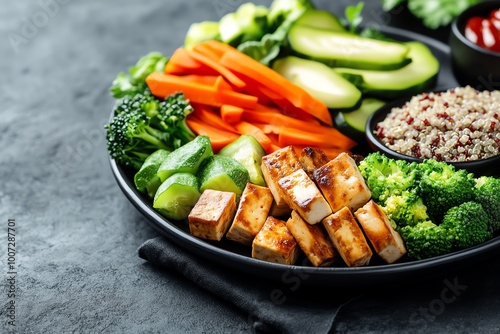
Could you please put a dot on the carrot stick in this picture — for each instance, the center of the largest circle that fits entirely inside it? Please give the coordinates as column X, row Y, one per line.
column 246, row 128
column 208, row 116
column 227, row 74
column 218, row 47
column 330, row 137
column 231, row 114
column 182, row 58
column 269, row 129
column 218, row 138
column 241, row 63
column 221, row 84
column 163, row 85
column 204, row 49
column 276, row 118
column 210, row 80
column 181, row 63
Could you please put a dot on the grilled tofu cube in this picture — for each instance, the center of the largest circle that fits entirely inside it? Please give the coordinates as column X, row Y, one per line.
column 211, row 216
column 378, row 229
column 253, row 209
column 312, row 240
column 274, row 243
column 312, row 159
column 348, row 238
column 342, row 184
column 276, row 165
column 302, row 195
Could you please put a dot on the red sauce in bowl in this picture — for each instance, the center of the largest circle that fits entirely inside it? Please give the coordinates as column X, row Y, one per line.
column 485, row 31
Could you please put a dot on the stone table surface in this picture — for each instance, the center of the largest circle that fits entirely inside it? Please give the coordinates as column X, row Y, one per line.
column 77, row 235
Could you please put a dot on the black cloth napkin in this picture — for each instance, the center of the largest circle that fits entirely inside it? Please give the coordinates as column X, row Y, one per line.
column 441, row 304
column 271, row 306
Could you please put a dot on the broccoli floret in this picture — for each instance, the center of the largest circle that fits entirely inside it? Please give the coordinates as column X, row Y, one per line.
column 387, row 177
column 443, row 187
column 131, row 139
column 134, row 82
column 487, row 193
column 405, row 209
column 143, row 124
column 171, row 117
column 143, row 101
column 426, row 239
column 468, row 223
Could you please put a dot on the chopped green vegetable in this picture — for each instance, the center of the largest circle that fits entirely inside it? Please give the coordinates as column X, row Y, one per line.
column 281, row 11
column 133, row 82
column 177, row 195
column 487, row 193
column 353, row 123
column 145, row 179
column 200, row 32
column 353, row 16
column 223, row 173
column 433, row 13
column 187, row 158
column 319, row 80
column 442, row 187
column 343, row 49
column 419, row 75
column 131, row 138
column 282, row 16
column 426, row 240
column 387, row 177
column 143, row 124
column 468, row 223
column 320, row 19
column 247, row 151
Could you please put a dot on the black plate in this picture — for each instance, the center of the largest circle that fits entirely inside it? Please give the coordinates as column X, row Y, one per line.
column 237, row 258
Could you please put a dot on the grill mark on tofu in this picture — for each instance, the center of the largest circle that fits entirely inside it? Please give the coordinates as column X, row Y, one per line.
column 251, row 214
column 312, row 240
column 302, row 195
column 275, row 166
column 342, row 184
column 275, row 243
column 311, row 159
column 385, row 240
column 348, row 238
column 211, row 216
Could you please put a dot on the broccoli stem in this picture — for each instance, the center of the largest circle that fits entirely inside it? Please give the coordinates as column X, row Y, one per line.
column 153, row 140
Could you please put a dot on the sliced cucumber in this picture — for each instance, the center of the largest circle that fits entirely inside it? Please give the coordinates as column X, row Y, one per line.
column 224, row 174
column 177, row 195
column 248, row 23
column 229, row 29
column 252, row 21
column 320, row 19
column 353, row 124
column 343, row 49
column 247, row 151
column 201, row 31
column 419, row 75
column 146, row 179
column 319, row 80
column 187, row 158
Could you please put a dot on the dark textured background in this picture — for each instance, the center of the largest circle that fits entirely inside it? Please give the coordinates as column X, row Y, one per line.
column 77, row 235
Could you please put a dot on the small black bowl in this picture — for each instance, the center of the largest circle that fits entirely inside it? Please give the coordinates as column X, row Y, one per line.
column 473, row 65
column 489, row 166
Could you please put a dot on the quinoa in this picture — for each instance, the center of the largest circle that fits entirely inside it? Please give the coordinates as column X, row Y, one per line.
column 458, row 125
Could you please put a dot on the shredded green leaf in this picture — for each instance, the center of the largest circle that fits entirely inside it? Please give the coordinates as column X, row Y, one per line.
column 353, row 16
column 433, row 13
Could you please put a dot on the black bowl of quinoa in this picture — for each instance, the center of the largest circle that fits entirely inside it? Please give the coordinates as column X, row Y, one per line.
column 460, row 125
